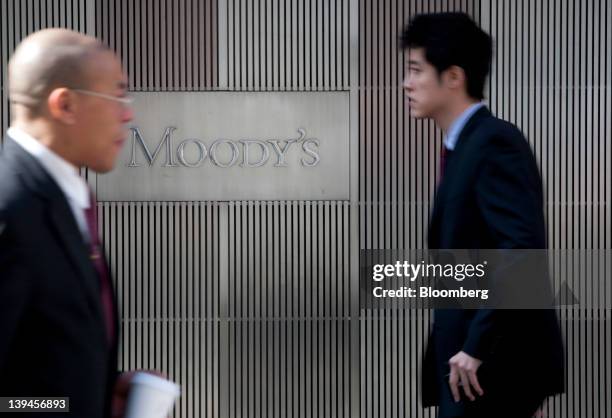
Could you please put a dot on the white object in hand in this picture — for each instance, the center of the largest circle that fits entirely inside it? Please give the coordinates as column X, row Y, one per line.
column 151, row 396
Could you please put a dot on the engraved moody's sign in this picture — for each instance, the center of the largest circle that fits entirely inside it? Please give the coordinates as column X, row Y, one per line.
column 249, row 153
column 221, row 145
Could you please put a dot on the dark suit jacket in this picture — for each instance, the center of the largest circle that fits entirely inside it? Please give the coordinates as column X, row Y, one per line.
column 52, row 332
column 491, row 198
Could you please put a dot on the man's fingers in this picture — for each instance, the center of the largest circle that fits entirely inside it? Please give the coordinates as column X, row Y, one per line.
column 474, row 382
column 122, row 385
column 463, row 373
column 465, row 382
column 452, row 382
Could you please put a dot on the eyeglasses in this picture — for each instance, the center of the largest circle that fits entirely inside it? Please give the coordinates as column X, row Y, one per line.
column 122, row 100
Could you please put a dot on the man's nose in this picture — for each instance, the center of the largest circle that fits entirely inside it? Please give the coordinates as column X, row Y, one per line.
column 128, row 114
column 407, row 84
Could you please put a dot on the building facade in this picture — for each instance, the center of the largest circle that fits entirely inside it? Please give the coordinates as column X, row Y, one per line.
column 272, row 144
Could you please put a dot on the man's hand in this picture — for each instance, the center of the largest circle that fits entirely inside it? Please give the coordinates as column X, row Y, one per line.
column 122, row 389
column 541, row 412
column 463, row 369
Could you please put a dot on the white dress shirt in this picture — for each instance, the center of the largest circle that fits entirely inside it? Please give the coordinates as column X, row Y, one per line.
column 62, row 172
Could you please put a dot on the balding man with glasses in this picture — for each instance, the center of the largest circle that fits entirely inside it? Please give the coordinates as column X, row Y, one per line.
column 58, row 319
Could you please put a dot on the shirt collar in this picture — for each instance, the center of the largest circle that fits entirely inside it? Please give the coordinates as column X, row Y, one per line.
column 65, row 174
column 458, row 124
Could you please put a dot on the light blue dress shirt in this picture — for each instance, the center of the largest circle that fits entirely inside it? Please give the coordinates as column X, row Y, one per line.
column 457, row 126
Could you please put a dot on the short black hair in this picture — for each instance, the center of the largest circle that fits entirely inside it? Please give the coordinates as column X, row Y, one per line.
column 452, row 39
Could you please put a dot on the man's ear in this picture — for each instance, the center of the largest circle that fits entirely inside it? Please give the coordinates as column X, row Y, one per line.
column 454, row 77
column 62, row 106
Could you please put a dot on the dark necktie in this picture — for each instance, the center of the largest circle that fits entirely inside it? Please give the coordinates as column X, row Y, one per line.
column 97, row 258
column 444, row 154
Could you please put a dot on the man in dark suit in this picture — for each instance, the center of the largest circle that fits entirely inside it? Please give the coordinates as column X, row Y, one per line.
column 487, row 362
column 58, row 320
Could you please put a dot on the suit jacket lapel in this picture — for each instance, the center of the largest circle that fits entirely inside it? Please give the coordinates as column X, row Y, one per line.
column 60, row 218
column 66, row 231
column 449, row 171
